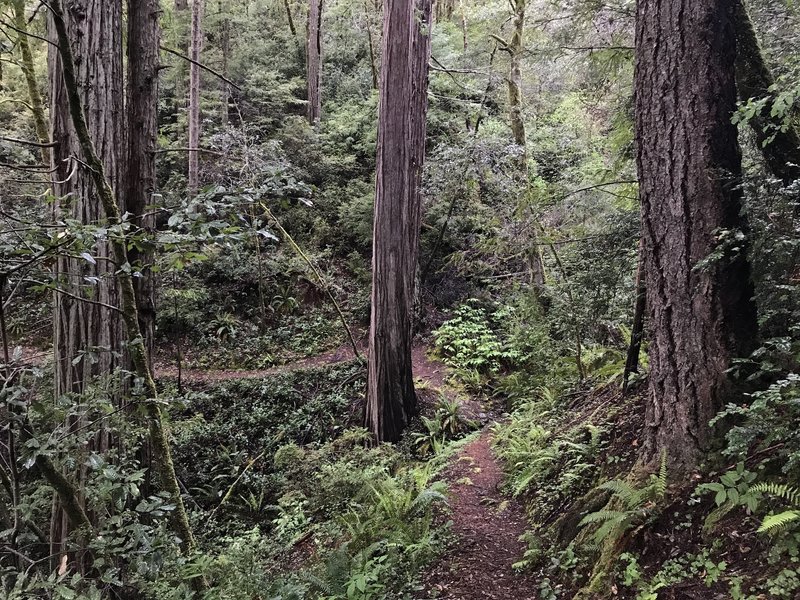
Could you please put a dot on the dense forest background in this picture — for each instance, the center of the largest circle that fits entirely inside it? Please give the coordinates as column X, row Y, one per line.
column 559, row 361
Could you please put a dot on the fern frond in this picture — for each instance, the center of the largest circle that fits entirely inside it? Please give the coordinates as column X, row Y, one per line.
column 789, row 493
column 622, row 489
column 661, row 479
column 775, row 523
column 613, row 516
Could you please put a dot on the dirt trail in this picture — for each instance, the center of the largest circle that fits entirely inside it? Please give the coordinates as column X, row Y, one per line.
column 487, row 526
column 426, row 368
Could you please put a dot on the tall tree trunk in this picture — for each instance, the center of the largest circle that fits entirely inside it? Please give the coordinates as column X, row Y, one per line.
column 701, row 314
column 515, row 48
column 391, row 399
column 28, row 69
column 290, row 18
column 104, row 198
column 373, row 61
column 88, row 337
column 755, row 81
column 314, row 61
column 196, row 47
column 144, row 38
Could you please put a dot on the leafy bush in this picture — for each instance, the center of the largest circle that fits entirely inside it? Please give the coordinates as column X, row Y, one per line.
column 467, row 342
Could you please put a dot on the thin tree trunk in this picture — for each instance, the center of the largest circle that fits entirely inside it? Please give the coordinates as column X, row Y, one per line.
column 515, row 49
column 637, row 330
column 196, row 47
column 37, row 104
column 391, row 399
column 700, row 315
column 373, row 62
column 225, row 90
column 105, row 194
column 314, row 61
column 463, row 11
column 755, row 81
column 290, row 18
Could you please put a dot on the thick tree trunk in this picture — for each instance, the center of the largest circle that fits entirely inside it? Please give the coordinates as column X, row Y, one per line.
column 196, row 47
column 701, row 314
column 391, row 399
column 755, row 80
column 105, row 199
column 144, row 39
column 314, row 61
column 88, row 337
column 144, row 35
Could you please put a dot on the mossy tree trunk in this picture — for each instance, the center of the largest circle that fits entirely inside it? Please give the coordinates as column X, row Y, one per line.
column 195, row 51
column 26, row 63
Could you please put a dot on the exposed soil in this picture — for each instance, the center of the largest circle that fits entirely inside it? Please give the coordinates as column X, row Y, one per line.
column 487, row 526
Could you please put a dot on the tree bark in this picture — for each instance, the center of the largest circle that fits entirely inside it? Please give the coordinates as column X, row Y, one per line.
column 144, row 40
column 391, row 399
column 225, row 90
column 755, row 81
column 314, row 61
column 700, row 315
column 515, row 49
column 196, row 47
column 88, row 337
column 106, row 200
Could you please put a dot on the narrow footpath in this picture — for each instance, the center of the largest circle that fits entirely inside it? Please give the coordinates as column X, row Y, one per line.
column 487, row 526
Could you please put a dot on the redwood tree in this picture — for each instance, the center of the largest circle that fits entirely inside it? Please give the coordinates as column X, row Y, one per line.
column 391, row 399
column 88, row 335
column 144, row 35
column 701, row 311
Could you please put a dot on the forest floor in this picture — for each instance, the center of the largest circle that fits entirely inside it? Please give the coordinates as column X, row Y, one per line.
column 487, row 527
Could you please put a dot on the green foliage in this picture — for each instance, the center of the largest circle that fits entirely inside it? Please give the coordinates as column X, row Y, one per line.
column 767, row 422
column 735, row 488
column 776, row 523
column 674, row 571
column 467, row 342
column 631, row 506
column 447, row 424
column 550, row 467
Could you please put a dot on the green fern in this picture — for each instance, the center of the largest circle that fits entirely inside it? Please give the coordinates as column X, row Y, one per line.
column 636, row 502
column 777, row 523
column 789, row 493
